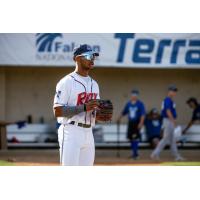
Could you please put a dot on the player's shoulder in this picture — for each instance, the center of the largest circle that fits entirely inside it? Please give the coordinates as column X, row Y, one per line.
column 66, row 79
column 128, row 103
column 167, row 99
column 140, row 101
column 94, row 81
column 69, row 77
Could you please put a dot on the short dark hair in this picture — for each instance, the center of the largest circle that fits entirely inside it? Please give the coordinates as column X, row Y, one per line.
column 192, row 99
column 135, row 91
column 172, row 88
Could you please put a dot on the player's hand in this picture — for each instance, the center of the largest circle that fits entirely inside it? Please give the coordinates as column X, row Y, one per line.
column 92, row 105
column 140, row 126
column 58, row 111
column 173, row 122
column 184, row 132
column 118, row 120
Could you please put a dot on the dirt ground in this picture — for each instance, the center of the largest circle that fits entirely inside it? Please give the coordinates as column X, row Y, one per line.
column 104, row 157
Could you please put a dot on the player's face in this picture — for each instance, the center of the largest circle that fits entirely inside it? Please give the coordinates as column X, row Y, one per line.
column 86, row 64
column 172, row 93
column 155, row 115
column 192, row 105
column 134, row 98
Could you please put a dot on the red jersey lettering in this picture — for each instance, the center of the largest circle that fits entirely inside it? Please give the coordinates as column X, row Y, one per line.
column 81, row 98
column 85, row 97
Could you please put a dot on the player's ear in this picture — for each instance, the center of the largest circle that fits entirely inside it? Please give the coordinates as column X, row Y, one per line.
column 77, row 58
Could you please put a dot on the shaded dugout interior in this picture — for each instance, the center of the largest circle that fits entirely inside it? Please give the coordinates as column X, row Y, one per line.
column 30, row 90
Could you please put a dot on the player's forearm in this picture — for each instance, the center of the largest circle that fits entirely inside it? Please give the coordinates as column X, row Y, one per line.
column 119, row 118
column 188, row 126
column 68, row 111
column 141, row 123
column 170, row 116
column 142, row 120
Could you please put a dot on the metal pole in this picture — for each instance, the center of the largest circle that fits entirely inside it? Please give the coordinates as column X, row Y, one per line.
column 118, row 141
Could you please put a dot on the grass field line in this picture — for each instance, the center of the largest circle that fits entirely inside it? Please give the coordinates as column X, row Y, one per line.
column 6, row 163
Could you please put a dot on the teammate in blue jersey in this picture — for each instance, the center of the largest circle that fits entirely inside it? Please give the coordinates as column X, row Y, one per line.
column 193, row 103
column 153, row 124
column 135, row 110
column 169, row 123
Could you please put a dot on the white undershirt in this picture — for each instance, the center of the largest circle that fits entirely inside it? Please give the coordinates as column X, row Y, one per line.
column 85, row 78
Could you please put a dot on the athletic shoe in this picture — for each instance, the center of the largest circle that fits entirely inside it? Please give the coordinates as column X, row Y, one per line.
column 179, row 158
column 154, row 157
column 136, row 157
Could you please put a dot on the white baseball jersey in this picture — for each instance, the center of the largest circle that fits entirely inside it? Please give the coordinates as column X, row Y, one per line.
column 74, row 90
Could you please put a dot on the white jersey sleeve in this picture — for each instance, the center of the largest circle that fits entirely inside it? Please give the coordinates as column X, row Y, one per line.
column 63, row 91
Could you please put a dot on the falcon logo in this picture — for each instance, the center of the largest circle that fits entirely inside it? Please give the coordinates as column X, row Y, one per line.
column 57, row 47
column 45, row 41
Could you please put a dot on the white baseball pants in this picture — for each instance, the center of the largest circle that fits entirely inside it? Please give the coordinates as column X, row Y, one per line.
column 168, row 138
column 76, row 145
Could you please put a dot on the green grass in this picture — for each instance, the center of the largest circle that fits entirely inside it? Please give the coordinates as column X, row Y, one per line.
column 6, row 163
column 180, row 164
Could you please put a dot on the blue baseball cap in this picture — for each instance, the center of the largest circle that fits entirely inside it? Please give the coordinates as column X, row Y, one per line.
column 172, row 88
column 83, row 49
column 154, row 111
column 135, row 92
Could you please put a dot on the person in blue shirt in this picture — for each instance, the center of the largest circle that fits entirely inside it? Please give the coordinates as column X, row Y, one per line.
column 153, row 124
column 193, row 104
column 135, row 110
column 169, row 116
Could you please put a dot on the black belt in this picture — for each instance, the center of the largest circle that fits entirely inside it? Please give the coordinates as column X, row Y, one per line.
column 80, row 124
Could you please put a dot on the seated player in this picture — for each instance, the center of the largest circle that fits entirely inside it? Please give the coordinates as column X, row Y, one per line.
column 193, row 103
column 153, row 124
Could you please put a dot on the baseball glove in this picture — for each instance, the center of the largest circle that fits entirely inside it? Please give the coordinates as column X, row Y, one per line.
column 105, row 111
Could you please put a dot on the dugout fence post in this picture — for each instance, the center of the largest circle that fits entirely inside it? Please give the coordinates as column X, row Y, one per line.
column 3, row 137
column 118, row 140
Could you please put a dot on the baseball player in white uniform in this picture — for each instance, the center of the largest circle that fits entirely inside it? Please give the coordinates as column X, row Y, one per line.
column 75, row 105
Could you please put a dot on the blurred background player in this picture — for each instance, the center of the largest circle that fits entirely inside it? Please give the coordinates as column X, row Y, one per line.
column 135, row 110
column 153, row 124
column 169, row 116
column 193, row 103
